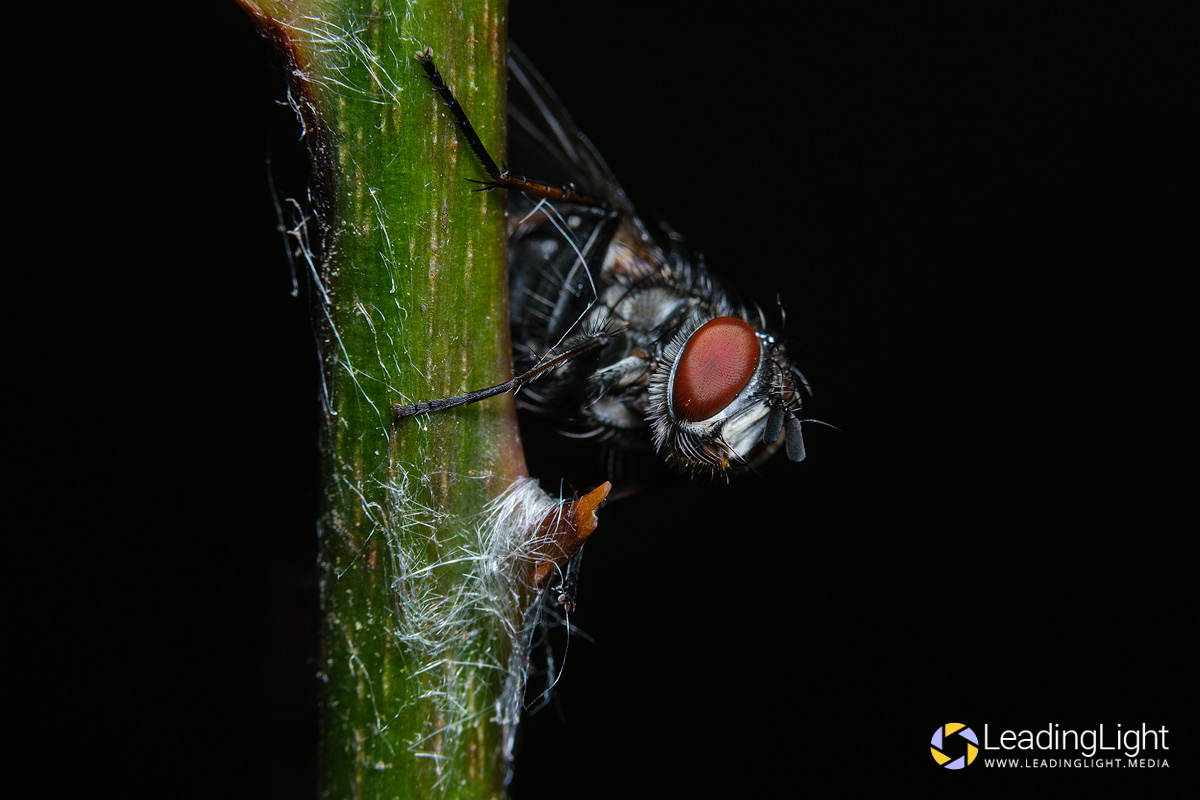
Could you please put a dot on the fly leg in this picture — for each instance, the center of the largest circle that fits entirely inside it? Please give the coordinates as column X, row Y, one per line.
column 546, row 194
column 500, row 178
column 588, row 344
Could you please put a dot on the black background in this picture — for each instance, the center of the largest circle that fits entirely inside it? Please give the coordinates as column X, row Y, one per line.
column 970, row 220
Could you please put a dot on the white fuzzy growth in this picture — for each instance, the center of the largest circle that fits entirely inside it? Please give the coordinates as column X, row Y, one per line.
column 471, row 608
column 351, row 67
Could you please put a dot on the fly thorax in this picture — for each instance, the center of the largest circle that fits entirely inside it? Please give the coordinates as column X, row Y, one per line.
column 647, row 311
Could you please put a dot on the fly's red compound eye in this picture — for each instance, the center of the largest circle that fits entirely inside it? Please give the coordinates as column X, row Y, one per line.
column 716, row 363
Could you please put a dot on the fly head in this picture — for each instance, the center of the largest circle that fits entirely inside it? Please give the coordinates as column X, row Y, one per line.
column 724, row 397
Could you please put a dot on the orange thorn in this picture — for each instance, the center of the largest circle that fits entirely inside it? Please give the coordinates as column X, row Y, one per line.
column 569, row 529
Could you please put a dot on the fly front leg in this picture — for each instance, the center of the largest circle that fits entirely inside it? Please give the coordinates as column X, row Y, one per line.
column 587, row 344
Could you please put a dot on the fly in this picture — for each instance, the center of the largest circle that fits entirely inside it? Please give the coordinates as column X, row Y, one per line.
column 636, row 343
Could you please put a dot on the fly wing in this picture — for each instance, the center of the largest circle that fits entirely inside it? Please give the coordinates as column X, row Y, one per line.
column 556, row 250
column 543, row 137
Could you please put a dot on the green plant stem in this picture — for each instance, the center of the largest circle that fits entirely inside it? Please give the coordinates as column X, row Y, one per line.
column 412, row 305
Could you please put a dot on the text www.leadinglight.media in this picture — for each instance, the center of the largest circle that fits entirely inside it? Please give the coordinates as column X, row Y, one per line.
column 1075, row 763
